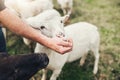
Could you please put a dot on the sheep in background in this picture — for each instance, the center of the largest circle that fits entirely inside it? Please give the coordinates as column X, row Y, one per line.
column 85, row 37
column 28, row 8
column 66, row 6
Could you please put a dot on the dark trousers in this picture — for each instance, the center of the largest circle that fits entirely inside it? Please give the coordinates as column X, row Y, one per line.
column 21, row 67
column 2, row 42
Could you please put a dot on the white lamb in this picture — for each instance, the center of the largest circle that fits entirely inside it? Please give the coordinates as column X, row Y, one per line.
column 66, row 6
column 85, row 37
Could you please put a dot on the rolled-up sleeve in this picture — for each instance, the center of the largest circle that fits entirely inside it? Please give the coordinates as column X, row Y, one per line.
column 2, row 6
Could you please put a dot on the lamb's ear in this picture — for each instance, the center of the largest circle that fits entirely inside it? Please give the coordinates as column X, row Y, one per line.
column 65, row 18
column 30, row 21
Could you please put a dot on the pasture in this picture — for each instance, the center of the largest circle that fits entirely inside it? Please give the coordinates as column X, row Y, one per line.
column 105, row 14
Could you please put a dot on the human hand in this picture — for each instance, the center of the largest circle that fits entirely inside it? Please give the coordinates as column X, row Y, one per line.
column 61, row 45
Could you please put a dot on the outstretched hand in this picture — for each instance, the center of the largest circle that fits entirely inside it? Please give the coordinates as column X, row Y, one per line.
column 61, row 45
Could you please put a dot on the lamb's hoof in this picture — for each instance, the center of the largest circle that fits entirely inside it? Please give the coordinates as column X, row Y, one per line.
column 95, row 72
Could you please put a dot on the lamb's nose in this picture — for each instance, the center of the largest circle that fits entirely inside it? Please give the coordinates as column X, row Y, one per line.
column 60, row 34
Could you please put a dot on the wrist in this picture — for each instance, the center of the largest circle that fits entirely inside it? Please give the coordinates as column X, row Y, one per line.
column 46, row 41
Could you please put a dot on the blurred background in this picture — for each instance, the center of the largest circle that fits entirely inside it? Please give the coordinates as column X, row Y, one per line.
column 105, row 14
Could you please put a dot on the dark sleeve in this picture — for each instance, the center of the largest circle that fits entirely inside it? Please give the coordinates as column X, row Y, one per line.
column 2, row 6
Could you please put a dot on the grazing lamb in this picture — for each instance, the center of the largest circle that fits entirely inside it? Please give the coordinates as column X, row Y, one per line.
column 28, row 8
column 66, row 6
column 85, row 37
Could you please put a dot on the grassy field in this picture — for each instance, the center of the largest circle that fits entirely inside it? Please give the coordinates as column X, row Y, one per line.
column 105, row 14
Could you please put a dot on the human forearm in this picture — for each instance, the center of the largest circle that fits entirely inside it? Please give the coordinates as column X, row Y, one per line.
column 12, row 21
column 18, row 26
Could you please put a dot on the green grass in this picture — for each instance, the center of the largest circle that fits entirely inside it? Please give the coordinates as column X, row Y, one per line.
column 105, row 14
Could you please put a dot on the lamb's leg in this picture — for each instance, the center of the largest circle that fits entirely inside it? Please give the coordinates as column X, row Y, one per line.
column 96, row 54
column 29, row 43
column 4, row 32
column 26, row 41
column 44, row 74
column 55, row 74
column 82, row 61
column 64, row 11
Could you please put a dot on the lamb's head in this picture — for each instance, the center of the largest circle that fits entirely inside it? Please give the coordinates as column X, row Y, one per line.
column 49, row 22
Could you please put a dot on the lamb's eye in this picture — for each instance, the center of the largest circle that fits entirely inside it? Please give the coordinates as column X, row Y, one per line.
column 42, row 27
column 61, row 21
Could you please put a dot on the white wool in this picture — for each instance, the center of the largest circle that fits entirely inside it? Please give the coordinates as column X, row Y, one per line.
column 28, row 8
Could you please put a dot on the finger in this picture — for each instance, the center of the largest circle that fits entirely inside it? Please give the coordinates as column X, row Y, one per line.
column 65, row 44
column 70, row 41
column 65, row 50
column 68, row 49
